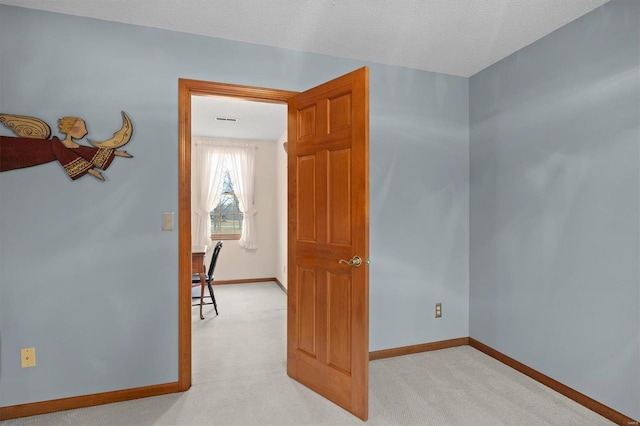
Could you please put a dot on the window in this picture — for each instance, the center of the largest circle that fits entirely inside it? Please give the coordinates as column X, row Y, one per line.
column 223, row 167
column 226, row 217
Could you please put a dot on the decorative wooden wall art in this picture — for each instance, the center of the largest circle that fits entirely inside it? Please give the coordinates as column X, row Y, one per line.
column 34, row 146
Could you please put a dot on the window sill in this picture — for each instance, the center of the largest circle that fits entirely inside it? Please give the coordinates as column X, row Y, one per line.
column 225, row 237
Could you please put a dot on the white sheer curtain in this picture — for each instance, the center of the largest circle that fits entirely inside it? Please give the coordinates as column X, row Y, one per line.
column 207, row 169
column 242, row 170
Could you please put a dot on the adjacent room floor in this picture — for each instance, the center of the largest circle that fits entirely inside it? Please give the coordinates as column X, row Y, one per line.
column 239, row 378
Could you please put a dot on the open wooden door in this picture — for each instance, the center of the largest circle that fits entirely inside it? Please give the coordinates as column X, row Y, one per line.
column 328, row 283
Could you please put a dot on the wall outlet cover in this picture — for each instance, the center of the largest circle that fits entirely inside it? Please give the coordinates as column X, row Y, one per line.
column 28, row 357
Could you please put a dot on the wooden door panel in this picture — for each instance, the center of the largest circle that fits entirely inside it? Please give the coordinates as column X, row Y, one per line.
column 306, row 123
column 328, row 332
column 339, row 113
column 307, row 302
column 306, row 195
column 339, row 197
column 339, row 325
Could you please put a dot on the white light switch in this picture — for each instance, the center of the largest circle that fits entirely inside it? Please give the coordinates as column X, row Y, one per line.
column 167, row 221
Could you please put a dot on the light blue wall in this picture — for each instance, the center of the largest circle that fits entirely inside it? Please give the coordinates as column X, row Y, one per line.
column 554, row 206
column 87, row 276
column 419, row 208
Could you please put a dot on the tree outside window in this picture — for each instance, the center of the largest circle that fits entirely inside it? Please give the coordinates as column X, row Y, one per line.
column 226, row 217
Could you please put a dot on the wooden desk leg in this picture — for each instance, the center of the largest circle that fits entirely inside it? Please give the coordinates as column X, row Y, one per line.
column 202, row 284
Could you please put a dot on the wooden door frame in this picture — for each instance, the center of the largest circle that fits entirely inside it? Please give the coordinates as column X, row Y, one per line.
column 187, row 88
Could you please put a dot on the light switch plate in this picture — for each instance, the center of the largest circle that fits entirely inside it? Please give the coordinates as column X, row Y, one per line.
column 167, row 221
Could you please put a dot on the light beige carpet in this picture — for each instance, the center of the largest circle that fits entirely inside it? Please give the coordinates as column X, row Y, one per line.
column 239, row 378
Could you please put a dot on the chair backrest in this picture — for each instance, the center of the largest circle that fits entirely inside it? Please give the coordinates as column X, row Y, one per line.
column 214, row 260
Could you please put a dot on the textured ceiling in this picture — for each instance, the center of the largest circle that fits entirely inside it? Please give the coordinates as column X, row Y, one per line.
column 458, row 37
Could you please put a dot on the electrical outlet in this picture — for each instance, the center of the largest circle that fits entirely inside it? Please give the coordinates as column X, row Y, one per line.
column 28, row 357
column 438, row 310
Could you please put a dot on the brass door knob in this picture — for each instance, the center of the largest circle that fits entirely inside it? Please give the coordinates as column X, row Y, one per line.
column 355, row 261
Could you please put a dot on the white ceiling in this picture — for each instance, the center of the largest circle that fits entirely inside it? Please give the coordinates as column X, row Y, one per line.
column 256, row 120
column 458, row 37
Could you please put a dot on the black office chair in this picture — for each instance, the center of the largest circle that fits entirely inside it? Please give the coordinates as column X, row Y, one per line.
column 195, row 280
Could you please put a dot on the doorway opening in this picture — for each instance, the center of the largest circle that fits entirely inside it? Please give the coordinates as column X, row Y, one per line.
column 187, row 89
